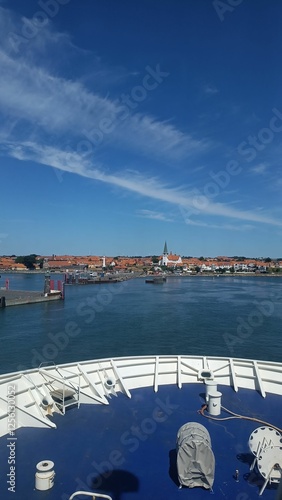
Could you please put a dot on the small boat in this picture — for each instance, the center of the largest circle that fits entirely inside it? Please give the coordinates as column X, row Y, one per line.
column 156, row 280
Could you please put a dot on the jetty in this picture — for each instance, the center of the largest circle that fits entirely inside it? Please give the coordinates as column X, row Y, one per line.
column 21, row 297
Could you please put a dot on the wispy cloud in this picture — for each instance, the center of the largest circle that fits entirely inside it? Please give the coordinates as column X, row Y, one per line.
column 49, row 107
column 210, row 89
column 151, row 214
column 150, row 187
column 259, row 169
column 43, row 112
column 31, row 95
column 228, row 227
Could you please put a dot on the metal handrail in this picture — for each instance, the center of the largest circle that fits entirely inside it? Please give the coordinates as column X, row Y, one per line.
column 89, row 494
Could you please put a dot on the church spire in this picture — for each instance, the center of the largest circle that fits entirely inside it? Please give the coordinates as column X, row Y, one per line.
column 165, row 249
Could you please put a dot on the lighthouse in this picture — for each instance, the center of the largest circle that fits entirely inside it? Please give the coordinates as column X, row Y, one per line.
column 104, row 262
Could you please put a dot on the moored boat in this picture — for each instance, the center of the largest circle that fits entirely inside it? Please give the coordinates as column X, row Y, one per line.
column 156, row 280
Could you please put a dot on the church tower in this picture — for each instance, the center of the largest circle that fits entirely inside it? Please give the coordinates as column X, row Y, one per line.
column 165, row 256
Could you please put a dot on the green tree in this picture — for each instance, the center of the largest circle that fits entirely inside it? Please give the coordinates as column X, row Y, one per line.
column 27, row 260
column 155, row 259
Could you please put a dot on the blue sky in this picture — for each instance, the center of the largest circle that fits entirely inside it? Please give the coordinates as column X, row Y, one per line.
column 125, row 124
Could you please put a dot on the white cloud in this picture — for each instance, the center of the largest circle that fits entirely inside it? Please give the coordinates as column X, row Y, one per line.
column 259, row 169
column 151, row 214
column 210, row 89
column 228, row 227
column 41, row 111
column 49, row 105
column 151, row 187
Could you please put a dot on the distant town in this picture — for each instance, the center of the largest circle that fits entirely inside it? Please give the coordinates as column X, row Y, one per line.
column 168, row 262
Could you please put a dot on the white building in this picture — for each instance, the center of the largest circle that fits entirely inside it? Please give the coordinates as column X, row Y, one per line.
column 169, row 259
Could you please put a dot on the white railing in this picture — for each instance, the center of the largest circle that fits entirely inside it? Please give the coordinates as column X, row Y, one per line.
column 93, row 381
column 89, row 494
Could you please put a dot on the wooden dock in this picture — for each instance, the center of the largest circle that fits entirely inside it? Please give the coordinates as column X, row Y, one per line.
column 21, row 297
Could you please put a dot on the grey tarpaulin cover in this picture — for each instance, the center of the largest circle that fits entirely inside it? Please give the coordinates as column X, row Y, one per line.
column 195, row 459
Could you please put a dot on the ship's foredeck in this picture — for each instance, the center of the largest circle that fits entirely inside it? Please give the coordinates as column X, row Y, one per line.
column 127, row 449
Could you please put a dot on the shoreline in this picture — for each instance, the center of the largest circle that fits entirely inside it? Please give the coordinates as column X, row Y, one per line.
column 213, row 275
column 170, row 275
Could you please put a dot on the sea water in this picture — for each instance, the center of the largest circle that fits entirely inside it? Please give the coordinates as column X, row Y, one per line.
column 194, row 315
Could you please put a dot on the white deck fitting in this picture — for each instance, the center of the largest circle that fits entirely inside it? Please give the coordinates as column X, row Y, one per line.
column 88, row 379
column 261, row 438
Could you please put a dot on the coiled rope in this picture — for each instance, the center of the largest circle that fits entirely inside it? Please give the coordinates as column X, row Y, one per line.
column 236, row 415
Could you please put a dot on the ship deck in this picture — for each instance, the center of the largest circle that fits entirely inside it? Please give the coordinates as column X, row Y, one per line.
column 127, row 449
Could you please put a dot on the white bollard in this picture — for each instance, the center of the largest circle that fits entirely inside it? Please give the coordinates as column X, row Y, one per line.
column 214, row 403
column 45, row 475
column 211, row 386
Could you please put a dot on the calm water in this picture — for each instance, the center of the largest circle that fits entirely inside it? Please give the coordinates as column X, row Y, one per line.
column 225, row 316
